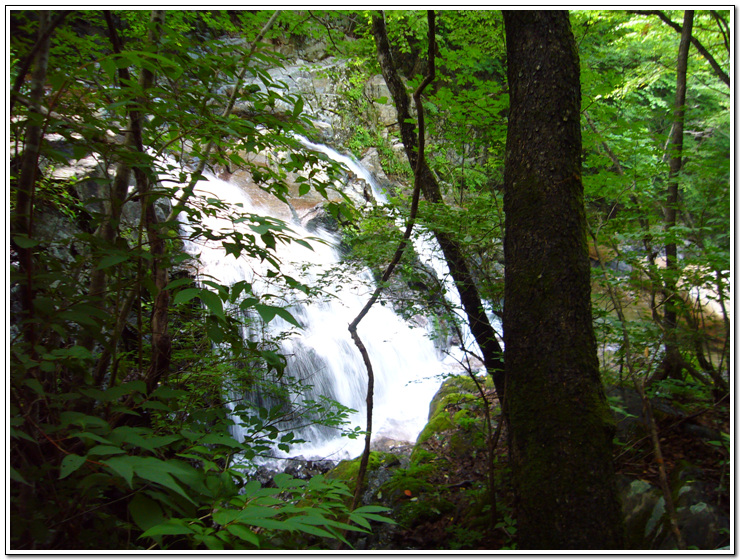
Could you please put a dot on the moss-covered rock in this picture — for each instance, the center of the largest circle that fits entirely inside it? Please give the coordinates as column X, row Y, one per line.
column 455, row 417
column 437, row 496
column 347, row 470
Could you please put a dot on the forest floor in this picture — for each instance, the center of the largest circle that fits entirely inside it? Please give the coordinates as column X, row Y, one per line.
column 686, row 440
column 442, row 502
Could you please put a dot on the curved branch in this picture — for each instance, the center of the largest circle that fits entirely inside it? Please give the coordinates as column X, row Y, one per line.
column 394, row 261
column 724, row 28
column 460, row 271
column 41, row 42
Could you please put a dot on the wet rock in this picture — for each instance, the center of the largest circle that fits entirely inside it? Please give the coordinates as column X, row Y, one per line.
column 306, row 469
column 383, row 110
column 371, row 161
column 642, row 506
column 318, row 218
column 390, row 445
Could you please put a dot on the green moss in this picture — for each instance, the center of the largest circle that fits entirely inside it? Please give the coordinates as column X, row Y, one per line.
column 347, row 471
column 439, row 423
column 562, row 436
column 458, row 393
column 420, row 455
column 412, row 513
column 453, row 390
column 415, row 479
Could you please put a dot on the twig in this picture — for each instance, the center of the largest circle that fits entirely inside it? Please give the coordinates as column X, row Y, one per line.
column 188, row 191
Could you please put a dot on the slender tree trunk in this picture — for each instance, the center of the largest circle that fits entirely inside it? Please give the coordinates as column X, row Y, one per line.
column 672, row 362
column 719, row 72
column 480, row 326
column 22, row 219
column 394, row 262
column 560, row 425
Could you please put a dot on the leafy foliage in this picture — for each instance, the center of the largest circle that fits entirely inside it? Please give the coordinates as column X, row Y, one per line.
column 121, row 433
column 110, row 449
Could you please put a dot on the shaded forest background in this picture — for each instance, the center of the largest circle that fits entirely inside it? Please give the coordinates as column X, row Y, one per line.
column 122, row 364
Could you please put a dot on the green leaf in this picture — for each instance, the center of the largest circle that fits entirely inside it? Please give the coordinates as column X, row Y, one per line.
column 105, row 450
column 70, row 464
column 222, row 290
column 288, row 437
column 267, row 312
column 298, row 106
column 313, row 530
column 375, row 517
column 252, row 513
column 108, row 66
column 370, row 509
column 303, row 243
column 89, row 435
column 225, row 516
column 169, row 527
column 243, row 533
column 154, row 470
column 145, row 512
column 168, row 393
column 285, row 481
column 112, row 260
column 220, row 439
column 274, row 524
column 69, row 417
column 261, row 228
column 213, row 303
column 15, row 475
column 185, row 295
column 269, row 240
column 122, row 466
column 178, row 282
column 24, row 242
column 35, row 385
column 156, row 405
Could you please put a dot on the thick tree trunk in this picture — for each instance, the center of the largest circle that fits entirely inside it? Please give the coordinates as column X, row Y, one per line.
column 559, row 422
column 480, row 326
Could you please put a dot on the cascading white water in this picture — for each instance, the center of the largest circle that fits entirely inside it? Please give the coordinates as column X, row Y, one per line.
column 406, row 364
column 427, row 250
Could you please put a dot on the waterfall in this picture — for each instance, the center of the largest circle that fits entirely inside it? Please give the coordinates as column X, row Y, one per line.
column 428, row 251
column 407, row 365
column 356, row 168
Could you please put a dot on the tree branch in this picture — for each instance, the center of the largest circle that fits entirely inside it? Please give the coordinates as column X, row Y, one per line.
column 394, row 261
column 724, row 28
column 26, row 64
column 188, row 190
column 721, row 74
column 480, row 326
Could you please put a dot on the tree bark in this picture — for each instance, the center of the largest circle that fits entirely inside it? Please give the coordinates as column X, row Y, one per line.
column 560, row 425
column 480, row 326
column 671, row 366
column 22, row 218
